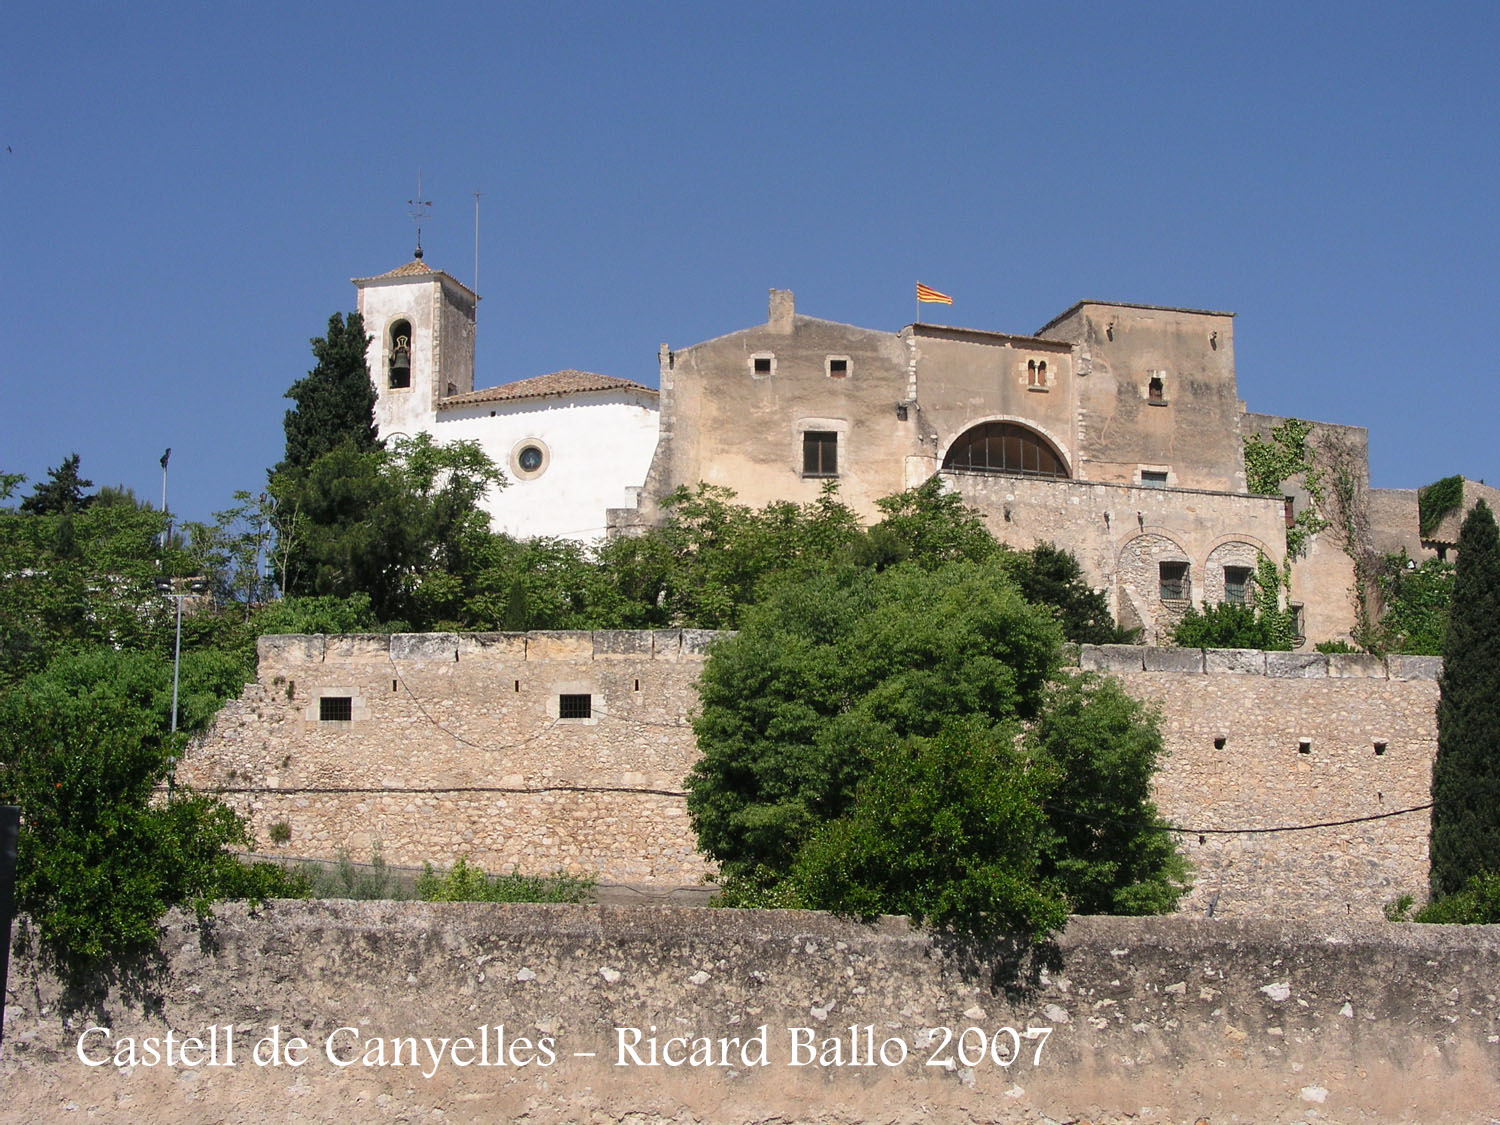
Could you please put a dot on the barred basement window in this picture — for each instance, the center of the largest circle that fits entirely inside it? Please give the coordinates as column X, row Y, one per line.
column 1152, row 478
column 336, row 709
column 575, row 706
column 1174, row 581
column 1236, row 584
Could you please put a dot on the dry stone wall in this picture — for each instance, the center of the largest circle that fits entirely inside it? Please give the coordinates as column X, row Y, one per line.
column 456, row 746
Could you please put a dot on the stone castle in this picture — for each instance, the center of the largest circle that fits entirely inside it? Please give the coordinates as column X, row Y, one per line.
column 1115, row 431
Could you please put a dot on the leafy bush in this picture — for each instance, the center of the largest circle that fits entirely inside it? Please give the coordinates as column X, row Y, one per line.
column 1436, row 501
column 463, row 883
column 1228, row 625
column 1478, row 903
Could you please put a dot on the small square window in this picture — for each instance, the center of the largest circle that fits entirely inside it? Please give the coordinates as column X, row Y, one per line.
column 336, row 709
column 761, row 364
column 1174, row 581
column 820, row 453
column 838, row 367
column 1156, row 390
column 1236, row 584
column 575, row 706
column 1153, row 479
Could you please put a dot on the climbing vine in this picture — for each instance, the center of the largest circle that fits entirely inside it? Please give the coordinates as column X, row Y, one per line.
column 1270, row 464
column 1436, row 501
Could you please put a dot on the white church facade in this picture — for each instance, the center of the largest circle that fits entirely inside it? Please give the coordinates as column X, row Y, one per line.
column 573, row 444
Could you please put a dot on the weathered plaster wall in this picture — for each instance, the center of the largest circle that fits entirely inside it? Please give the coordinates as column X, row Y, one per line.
column 1194, row 427
column 727, row 425
column 1172, row 1021
column 441, row 313
column 466, row 728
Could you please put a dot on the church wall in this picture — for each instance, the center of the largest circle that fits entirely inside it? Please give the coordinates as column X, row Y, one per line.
column 455, row 341
column 596, row 446
column 468, row 727
column 1193, row 428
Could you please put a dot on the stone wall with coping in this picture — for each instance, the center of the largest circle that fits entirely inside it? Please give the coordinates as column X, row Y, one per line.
column 1163, row 1020
column 456, row 748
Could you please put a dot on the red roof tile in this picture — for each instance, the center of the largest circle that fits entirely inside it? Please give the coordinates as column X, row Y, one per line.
column 546, row 386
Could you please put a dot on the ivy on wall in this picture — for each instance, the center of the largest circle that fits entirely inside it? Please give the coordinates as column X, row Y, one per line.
column 1436, row 501
column 1270, row 464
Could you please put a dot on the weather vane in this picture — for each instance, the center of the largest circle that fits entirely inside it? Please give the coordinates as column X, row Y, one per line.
column 418, row 211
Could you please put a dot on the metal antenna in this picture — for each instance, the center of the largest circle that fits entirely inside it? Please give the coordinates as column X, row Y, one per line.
column 418, row 212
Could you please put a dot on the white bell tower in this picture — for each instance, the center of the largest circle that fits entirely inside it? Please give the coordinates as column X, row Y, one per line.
column 421, row 327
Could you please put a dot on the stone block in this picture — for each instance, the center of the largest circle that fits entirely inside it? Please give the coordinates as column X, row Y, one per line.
column 696, row 642
column 1111, row 658
column 290, row 648
column 621, row 642
column 492, row 646
column 1296, row 665
column 357, row 647
column 1243, row 661
column 666, row 644
column 1414, row 667
column 1188, row 660
column 1355, row 666
column 571, row 644
column 424, row 646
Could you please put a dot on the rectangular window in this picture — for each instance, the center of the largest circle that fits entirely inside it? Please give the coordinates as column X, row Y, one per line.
column 1152, row 479
column 820, row 453
column 575, row 706
column 1236, row 584
column 336, row 709
column 1288, row 508
column 1174, row 581
column 761, row 364
column 838, row 367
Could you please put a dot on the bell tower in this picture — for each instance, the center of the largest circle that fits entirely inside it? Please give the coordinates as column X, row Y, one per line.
column 421, row 327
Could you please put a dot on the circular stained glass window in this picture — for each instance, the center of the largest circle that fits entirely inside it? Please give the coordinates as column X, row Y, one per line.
column 530, row 459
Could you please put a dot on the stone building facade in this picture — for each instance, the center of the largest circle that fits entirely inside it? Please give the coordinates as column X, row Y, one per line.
column 546, row 751
column 1116, row 431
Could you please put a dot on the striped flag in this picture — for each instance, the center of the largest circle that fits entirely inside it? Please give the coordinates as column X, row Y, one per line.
column 932, row 296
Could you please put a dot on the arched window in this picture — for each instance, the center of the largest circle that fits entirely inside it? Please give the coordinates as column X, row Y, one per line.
column 398, row 347
column 1004, row 447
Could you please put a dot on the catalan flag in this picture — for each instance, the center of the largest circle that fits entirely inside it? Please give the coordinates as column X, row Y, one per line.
column 932, row 296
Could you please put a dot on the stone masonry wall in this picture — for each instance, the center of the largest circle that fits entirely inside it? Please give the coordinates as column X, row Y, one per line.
column 455, row 748
column 1166, row 1021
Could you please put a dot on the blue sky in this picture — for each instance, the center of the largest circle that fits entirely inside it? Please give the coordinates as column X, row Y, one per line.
column 187, row 190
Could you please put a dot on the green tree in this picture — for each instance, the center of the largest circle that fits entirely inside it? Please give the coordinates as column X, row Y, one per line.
column 62, row 494
column 1466, row 772
column 834, row 699
column 929, row 525
column 1048, row 575
column 948, row 830
column 85, row 751
column 335, row 401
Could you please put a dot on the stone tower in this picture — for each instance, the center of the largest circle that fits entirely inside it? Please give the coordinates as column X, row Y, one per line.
column 421, row 327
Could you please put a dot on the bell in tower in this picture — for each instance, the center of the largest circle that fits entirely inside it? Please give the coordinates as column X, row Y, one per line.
column 400, row 351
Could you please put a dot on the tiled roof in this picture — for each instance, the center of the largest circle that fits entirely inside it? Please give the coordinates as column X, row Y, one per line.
column 414, row 268
column 546, row 386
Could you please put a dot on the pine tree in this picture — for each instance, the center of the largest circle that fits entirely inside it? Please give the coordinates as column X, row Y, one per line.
column 335, row 401
column 62, row 495
column 1466, row 774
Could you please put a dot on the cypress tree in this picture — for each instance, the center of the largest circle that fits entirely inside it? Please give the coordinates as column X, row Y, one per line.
column 335, row 400
column 1466, row 773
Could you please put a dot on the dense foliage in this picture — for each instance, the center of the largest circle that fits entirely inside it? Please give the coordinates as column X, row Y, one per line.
column 335, row 401
column 1476, row 903
column 1288, row 455
column 844, row 691
column 1416, row 605
column 1261, row 622
column 1466, row 772
column 1436, row 501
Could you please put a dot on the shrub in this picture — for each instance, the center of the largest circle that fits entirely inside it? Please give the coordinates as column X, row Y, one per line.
column 1478, row 903
column 463, row 883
